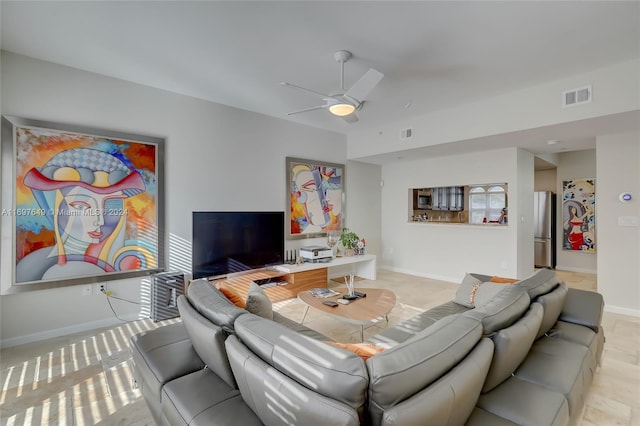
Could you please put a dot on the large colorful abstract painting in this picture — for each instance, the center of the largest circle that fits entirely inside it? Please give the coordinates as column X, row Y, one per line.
column 315, row 192
column 85, row 205
column 578, row 215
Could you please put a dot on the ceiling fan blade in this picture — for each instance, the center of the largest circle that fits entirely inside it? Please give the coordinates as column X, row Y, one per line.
column 365, row 85
column 351, row 118
column 284, row 83
column 307, row 109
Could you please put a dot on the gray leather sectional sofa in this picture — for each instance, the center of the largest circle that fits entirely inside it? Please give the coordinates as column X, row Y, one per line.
column 527, row 357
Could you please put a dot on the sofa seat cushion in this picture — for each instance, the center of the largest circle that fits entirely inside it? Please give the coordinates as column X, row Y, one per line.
column 298, row 328
column 480, row 417
column 233, row 411
column 561, row 366
column 581, row 335
column 187, row 398
column 162, row 355
column 406, row 329
column 525, row 403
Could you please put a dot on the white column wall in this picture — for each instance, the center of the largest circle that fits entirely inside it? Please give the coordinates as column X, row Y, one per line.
column 618, row 167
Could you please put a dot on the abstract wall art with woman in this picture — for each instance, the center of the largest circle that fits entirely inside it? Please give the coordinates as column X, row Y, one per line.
column 86, row 206
column 578, row 213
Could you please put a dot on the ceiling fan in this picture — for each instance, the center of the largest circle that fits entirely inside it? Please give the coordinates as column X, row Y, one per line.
column 344, row 103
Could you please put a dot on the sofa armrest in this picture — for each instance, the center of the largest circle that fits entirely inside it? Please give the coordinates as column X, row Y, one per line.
column 583, row 308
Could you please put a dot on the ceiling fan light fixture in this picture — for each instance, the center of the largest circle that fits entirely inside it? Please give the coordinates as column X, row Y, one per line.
column 341, row 109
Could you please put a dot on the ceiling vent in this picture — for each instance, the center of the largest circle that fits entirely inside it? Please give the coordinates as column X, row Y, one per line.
column 406, row 133
column 581, row 95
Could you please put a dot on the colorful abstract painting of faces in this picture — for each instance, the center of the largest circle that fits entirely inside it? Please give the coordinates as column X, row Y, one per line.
column 316, row 197
column 85, row 205
column 578, row 215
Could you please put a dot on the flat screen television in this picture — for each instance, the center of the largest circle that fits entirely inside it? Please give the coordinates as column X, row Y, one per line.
column 230, row 242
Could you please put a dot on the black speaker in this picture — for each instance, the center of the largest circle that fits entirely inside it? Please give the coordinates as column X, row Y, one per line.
column 165, row 289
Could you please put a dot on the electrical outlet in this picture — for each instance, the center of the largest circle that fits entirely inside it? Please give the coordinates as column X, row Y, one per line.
column 101, row 288
column 87, row 290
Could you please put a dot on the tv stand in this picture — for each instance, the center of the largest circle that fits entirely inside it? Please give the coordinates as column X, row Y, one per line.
column 299, row 277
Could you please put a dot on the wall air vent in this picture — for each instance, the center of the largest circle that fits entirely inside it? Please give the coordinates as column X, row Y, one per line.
column 406, row 133
column 581, row 95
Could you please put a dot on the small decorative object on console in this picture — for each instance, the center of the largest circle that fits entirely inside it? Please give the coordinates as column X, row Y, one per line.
column 350, row 291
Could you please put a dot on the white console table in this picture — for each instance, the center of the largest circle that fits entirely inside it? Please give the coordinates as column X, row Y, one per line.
column 363, row 265
column 300, row 277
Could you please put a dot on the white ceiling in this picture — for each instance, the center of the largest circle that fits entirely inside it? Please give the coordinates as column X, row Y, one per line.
column 434, row 54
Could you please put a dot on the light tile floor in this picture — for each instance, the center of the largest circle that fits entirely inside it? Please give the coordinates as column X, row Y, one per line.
column 86, row 379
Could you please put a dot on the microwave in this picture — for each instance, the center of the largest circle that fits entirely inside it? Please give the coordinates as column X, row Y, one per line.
column 425, row 200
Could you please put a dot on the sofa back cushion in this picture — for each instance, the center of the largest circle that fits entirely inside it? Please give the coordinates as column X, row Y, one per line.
column 332, row 372
column 506, row 307
column 406, row 369
column 451, row 399
column 512, row 345
column 540, row 282
column 213, row 305
column 552, row 303
column 207, row 340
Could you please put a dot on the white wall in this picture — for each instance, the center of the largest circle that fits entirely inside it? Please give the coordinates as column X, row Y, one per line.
column 618, row 167
column 217, row 158
column 448, row 251
column 364, row 197
column 576, row 165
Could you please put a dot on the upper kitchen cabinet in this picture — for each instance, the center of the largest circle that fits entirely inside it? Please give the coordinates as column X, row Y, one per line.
column 449, row 198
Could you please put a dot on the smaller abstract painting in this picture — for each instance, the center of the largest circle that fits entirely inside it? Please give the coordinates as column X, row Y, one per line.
column 315, row 192
column 578, row 215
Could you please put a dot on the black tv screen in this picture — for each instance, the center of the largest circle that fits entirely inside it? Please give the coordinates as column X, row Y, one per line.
column 229, row 242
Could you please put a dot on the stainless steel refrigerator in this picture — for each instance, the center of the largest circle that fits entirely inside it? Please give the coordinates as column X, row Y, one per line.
column 544, row 229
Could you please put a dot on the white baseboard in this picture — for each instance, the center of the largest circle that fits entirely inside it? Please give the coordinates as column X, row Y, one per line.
column 420, row 274
column 572, row 269
column 622, row 311
column 64, row 331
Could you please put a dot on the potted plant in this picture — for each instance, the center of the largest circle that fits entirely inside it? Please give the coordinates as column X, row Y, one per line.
column 349, row 241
